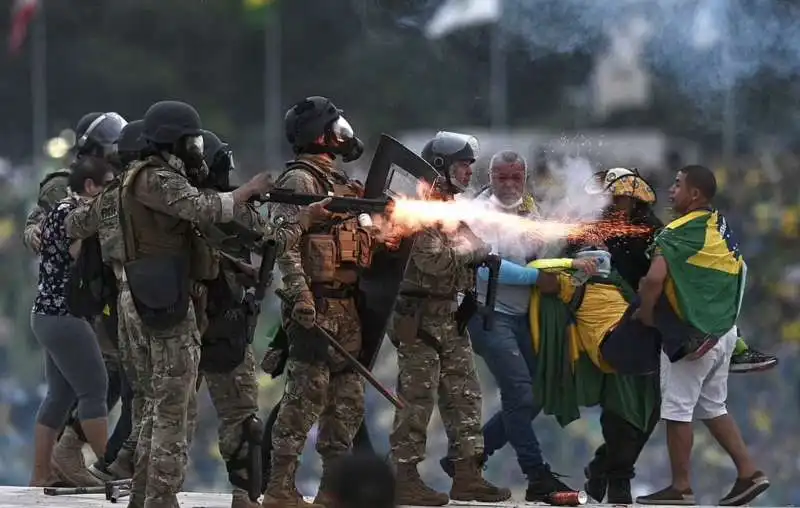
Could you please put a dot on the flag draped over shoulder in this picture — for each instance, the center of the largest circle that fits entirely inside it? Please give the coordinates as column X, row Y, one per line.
column 566, row 379
column 706, row 271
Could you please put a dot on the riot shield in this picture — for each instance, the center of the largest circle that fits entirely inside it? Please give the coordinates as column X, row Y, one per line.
column 395, row 170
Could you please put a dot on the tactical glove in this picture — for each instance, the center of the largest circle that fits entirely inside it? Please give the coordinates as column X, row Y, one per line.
column 304, row 311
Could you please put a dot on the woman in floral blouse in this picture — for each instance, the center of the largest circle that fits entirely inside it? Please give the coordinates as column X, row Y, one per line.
column 74, row 368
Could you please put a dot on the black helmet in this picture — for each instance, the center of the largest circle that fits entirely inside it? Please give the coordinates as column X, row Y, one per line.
column 316, row 117
column 168, row 121
column 219, row 159
column 99, row 136
column 84, row 123
column 447, row 148
column 130, row 138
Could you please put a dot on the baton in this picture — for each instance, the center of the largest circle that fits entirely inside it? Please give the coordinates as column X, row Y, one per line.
column 72, row 491
column 395, row 400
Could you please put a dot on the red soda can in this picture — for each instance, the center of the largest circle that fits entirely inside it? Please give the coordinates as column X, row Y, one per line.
column 569, row 498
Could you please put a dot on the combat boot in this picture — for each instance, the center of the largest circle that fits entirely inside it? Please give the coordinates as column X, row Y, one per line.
column 281, row 491
column 412, row 491
column 469, row 484
column 67, row 460
column 241, row 499
column 122, row 467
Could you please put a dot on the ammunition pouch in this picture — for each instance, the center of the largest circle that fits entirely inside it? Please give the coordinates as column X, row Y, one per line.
column 252, row 431
column 203, row 263
column 344, row 245
column 160, row 289
column 407, row 326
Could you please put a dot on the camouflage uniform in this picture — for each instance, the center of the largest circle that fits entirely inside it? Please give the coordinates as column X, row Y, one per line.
column 326, row 389
column 100, row 216
column 434, row 358
column 159, row 207
column 54, row 188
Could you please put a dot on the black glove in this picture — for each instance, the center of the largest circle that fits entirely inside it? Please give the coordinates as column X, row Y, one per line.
column 307, row 344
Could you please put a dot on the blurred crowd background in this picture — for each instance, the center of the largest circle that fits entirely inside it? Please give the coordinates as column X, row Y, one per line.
column 574, row 85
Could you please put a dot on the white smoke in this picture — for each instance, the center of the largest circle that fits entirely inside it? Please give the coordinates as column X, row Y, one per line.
column 565, row 196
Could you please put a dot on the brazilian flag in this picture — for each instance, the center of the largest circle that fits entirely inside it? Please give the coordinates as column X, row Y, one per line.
column 706, row 271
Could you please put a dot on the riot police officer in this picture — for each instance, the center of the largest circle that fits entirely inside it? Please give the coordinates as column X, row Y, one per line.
column 320, row 278
column 163, row 262
column 434, row 351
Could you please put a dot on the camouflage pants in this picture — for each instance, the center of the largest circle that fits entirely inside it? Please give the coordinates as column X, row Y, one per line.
column 166, row 364
column 235, row 397
column 328, row 392
column 425, row 372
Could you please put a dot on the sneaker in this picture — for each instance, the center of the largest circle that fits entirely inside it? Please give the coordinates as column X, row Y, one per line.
column 542, row 482
column 745, row 490
column 668, row 496
column 751, row 360
column 619, row 491
column 595, row 486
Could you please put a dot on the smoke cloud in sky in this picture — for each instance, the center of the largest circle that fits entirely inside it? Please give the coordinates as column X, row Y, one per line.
column 684, row 38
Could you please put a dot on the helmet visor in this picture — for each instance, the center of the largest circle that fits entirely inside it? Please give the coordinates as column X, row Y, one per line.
column 342, row 130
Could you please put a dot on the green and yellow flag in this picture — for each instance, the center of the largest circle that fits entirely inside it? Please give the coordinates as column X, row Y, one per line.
column 706, row 271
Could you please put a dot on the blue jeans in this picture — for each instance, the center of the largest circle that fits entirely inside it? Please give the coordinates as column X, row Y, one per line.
column 508, row 352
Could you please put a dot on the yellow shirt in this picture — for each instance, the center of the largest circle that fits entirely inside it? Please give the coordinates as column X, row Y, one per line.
column 601, row 309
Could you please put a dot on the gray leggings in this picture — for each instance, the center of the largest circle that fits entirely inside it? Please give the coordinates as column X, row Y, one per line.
column 73, row 368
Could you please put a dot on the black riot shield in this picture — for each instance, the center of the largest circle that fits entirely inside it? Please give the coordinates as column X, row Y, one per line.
column 395, row 171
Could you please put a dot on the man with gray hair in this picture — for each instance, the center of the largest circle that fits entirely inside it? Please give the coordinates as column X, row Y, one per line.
column 507, row 349
column 508, row 177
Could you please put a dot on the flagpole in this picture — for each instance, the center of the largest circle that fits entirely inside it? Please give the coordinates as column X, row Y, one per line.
column 38, row 85
column 498, row 74
column 273, row 117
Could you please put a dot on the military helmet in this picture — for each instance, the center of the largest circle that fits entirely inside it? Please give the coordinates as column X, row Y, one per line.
column 447, row 148
column 166, row 122
column 307, row 120
column 84, row 123
column 129, row 139
column 217, row 154
column 211, row 146
column 100, row 135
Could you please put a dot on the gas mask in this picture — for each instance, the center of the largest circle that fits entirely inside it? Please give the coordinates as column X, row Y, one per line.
column 341, row 140
column 190, row 150
column 221, row 167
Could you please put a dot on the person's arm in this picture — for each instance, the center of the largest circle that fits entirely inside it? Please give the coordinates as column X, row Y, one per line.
column 512, row 274
column 170, row 193
column 650, row 288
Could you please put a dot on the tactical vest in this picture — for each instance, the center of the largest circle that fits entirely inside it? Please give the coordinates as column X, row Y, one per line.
column 334, row 252
column 53, row 188
column 147, row 232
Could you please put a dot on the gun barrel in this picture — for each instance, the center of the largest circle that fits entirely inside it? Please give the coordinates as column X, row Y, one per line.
column 337, row 205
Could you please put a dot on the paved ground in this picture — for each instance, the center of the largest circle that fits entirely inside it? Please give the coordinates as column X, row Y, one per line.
column 23, row 497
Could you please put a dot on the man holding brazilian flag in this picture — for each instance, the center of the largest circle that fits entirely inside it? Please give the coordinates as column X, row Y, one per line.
column 594, row 348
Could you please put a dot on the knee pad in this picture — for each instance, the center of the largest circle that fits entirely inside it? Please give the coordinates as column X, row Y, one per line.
column 251, row 434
